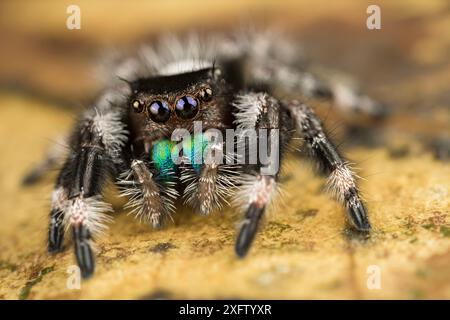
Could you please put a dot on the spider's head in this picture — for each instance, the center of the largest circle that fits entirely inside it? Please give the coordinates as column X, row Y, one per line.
column 164, row 103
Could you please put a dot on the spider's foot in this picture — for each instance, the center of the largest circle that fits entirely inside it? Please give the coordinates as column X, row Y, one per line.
column 358, row 215
column 31, row 178
column 55, row 247
column 248, row 230
column 83, row 251
column 56, row 232
column 380, row 111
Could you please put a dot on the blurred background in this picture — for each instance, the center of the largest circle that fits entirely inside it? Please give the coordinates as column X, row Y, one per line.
column 48, row 74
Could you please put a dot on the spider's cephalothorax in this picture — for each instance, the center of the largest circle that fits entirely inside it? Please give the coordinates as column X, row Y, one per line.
column 228, row 83
column 165, row 103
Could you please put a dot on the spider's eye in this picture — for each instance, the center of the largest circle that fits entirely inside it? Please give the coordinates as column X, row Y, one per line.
column 206, row 94
column 159, row 111
column 138, row 106
column 186, row 107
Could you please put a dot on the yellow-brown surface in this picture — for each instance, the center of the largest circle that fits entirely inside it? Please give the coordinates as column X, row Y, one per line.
column 305, row 249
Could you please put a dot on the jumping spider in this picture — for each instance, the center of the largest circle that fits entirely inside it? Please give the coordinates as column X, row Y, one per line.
column 224, row 82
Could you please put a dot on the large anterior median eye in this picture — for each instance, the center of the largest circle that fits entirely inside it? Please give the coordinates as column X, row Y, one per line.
column 159, row 111
column 186, row 107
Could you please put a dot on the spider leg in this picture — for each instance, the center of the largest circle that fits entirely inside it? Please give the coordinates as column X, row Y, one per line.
column 207, row 189
column 259, row 111
column 274, row 75
column 77, row 201
column 49, row 162
column 149, row 199
column 58, row 151
column 341, row 178
column 263, row 189
column 56, row 228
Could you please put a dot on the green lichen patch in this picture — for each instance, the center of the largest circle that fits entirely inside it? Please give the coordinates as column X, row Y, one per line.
column 25, row 291
column 445, row 231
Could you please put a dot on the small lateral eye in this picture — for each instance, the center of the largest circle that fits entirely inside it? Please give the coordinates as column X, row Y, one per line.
column 206, row 94
column 159, row 111
column 138, row 106
column 186, row 107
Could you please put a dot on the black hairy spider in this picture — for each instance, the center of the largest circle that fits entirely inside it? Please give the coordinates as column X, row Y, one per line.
column 223, row 83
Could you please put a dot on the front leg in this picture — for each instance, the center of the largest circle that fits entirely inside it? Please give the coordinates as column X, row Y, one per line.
column 341, row 179
column 77, row 201
column 150, row 198
column 259, row 112
column 209, row 184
